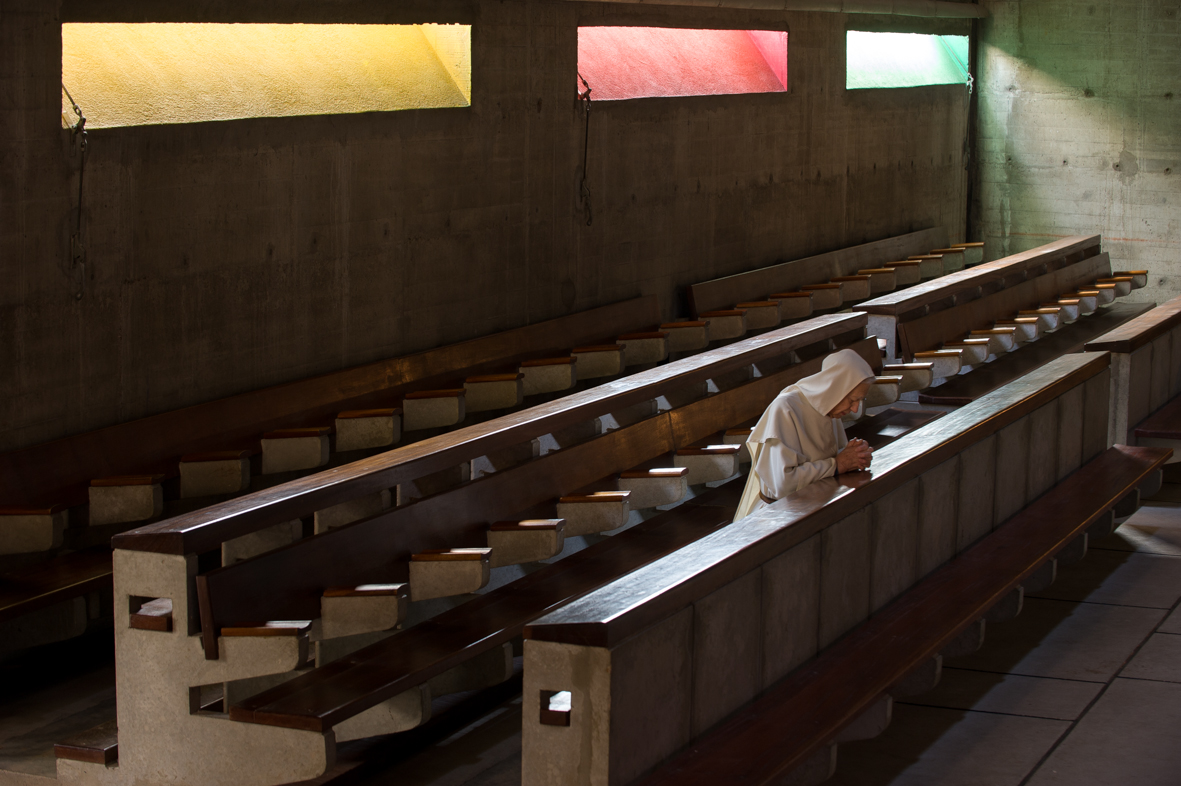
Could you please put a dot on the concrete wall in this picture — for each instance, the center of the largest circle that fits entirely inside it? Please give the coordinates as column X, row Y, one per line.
column 226, row 256
column 1080, row 130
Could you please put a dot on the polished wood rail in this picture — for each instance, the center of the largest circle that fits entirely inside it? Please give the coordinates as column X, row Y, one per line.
column 207, row 528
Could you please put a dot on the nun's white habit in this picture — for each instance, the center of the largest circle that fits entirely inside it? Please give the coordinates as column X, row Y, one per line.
column 795, row 442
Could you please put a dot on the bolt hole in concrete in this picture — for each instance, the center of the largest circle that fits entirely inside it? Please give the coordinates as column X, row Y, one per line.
column 146, row 74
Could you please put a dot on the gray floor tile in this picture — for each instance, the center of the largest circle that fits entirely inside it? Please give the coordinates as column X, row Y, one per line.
column 1119, row 578
column 1173, row 623
column 924, row 746
column 1155, row 529
column 1012, row 694
column 1158, row 659
column 1128, row 737
column 1054, row 638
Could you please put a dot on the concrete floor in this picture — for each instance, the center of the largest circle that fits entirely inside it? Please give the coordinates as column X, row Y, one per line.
column 1082, row 688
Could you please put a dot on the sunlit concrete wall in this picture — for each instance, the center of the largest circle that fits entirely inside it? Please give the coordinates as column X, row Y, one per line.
column 1080, row 130
column 225, row 256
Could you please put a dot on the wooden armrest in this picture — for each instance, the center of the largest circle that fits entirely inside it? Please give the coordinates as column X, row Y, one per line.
column 820, row 286
column 496, row 377
column 1042, row 310
column 527, row 525
column 449, row 393
column 451, row 555
column 1018, row 321
column 298, row 433
column 888, row 379
column 925, row 256
column 692, row 323
column 783, row 295
column 1130, row 273
column 939, row 353
column 99, row 745
column 598, row 496
column 730, row 312
column 369, row 413
column 710, row 450
column 368, row 591
column 128, row 480
column 274, row 628
column 1113, row 279
column 872, row 270
column 1008, row 331
column 662, row 472
column 968, row 245
column 952, row 250
column 757, row 304
column 905, row 263
column 597, row 348
column 547, row 362
column 850, row 278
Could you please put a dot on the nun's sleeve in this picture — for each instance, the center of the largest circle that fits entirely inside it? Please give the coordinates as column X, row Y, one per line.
column 783, row 470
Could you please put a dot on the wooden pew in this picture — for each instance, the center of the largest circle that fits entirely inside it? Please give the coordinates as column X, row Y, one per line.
column 942, row 329
column 174, row 560
column 49, row 491
column 1146, row 369
column 886, row 313
column 793, row 725
column 784, row 277
column 655, row 659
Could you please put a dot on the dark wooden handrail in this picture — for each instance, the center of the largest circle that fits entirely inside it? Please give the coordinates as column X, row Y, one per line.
column 925, row 294
column 207, row 528
column 1142, row 330
column 639, row 600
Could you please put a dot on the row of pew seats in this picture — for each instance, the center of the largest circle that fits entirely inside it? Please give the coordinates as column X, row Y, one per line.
column 1062, row 293
column 171, row 464
column 369, row 569
column 207, row 654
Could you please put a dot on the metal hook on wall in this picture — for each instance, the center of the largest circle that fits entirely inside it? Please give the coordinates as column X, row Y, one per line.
column 77, row 250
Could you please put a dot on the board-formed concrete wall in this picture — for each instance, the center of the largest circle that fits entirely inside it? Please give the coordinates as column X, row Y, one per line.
column 1080, row 130
column 226, row 256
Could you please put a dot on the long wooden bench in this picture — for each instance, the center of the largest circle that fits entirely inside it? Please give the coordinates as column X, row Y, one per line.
column 173, row 564
column 887, row 312
column 653, row 660
column 785, row 277
column 797, row 720
column 1039, row 336
column 65, row 495
column 1146, row 369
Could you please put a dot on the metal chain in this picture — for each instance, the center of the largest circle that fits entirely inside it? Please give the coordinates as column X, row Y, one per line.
column 77, row 251
column 584, row 191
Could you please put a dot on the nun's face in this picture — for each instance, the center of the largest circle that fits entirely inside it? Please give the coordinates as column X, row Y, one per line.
column 851, row 402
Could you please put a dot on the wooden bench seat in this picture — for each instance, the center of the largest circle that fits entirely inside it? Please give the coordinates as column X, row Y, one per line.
column 888, row 312
column 885, row 427
column 47, row 583
column 1162, row 429
column 989, row 377
column 334, row 693
column 766, row 740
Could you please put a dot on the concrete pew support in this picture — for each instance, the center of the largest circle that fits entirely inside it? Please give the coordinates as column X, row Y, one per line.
column 656, row 658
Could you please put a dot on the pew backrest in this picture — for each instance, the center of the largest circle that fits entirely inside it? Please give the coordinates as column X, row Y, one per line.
column 788, row 276
column 1146, row 367
column 60, row 470
column 657, row 657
